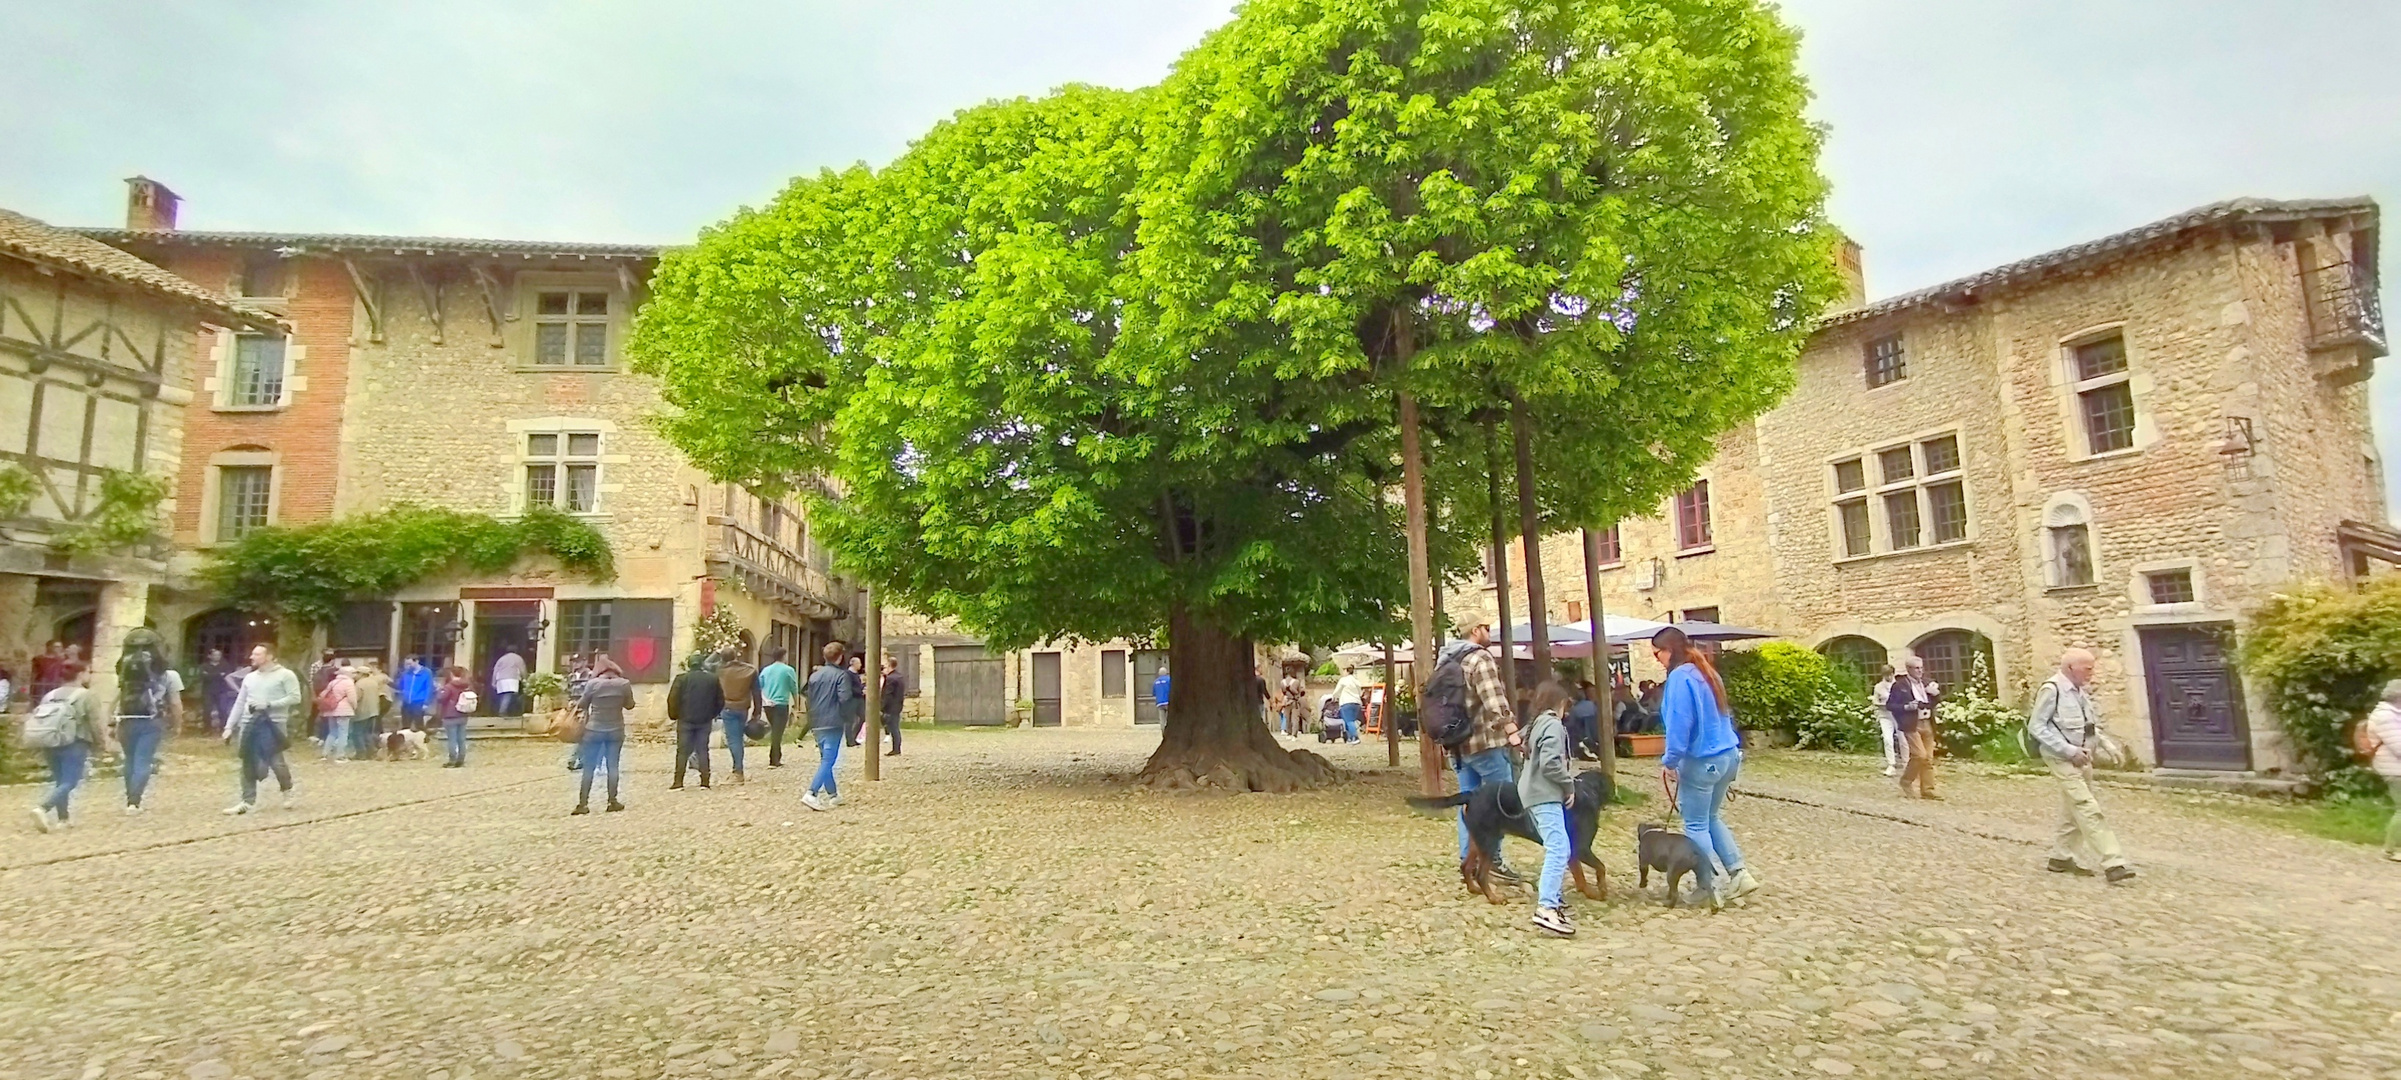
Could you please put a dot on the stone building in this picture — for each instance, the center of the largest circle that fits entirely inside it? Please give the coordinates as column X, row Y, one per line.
column 97, row 350
column 479, row 375
column 2124, row 445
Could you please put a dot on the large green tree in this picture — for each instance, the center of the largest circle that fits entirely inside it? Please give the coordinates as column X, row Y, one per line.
column 1110, row 364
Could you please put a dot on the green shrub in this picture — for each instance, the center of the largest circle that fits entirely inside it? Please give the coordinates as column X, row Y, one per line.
column 2323, row 656
column 1780, row 686
column 303, row 574
column 1973, row 717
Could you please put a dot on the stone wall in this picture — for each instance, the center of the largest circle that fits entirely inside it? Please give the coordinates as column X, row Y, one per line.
column 2215, row 328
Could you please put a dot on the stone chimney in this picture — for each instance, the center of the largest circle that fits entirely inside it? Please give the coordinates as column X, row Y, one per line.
column 149, row 205
column 1849, row 262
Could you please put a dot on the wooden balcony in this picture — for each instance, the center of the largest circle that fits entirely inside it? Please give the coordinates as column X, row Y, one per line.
column 2344, row 311
column 773, row 572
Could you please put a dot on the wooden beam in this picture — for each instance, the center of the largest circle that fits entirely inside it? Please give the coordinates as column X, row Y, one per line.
column 429, row 290
column 370, row 297
column 496, row 304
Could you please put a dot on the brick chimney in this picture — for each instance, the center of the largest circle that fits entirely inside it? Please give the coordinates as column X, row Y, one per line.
column 1849, row 261
column 149, row 205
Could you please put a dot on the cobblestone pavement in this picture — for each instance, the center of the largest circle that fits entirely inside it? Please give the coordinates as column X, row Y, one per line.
column 999, row 908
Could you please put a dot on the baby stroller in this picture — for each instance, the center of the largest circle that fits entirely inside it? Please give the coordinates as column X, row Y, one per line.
column 1329, row 721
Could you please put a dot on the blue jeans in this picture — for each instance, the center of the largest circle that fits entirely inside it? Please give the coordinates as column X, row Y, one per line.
column 260, row 756
column 1550, row 823
column 66, row 771
column 140, row 736
column 829, row 747
column 600, row 750
column 732, row 720
column 337, row 738
column 363, row 730
column 1475, row 771
column 454, row 736
column 1700, row 793
column 1350, row 723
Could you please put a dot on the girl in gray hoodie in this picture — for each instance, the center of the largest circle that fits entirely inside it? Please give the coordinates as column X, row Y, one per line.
column 1547, row 787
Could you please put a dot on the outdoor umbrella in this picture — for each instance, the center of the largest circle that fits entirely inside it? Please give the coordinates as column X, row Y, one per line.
column 1622, row 629
column 1698, row 631
column 1561, row 633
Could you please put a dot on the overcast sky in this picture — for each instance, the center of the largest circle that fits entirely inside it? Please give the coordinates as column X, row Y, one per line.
column 1965, row 133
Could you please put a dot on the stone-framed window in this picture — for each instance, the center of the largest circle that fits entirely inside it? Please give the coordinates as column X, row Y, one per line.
column 1693, row 532
column 244, row 495
column 2068, row 544
column 562, row 470
column 2168, row 585
column 1885, row 361
column 1900, row 498
column 2102, row 382
column 1610, row 548
column 573, row 322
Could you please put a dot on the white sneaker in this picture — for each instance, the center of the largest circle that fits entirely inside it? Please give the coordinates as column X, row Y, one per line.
column 43, row 819
column 832, row 801
column 810, row 800
column 132, row 808
column 1744, row 884
column 291, row 799
column 238, row 809
column 1890, row 771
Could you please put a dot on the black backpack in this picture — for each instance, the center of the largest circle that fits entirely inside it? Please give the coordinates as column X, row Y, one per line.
column 1445, row 712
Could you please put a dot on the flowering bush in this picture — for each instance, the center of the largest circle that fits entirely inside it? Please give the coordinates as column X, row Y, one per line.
column 2324, row 655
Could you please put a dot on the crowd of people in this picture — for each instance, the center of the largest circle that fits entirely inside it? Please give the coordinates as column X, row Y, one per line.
column 351, row 710
column 721, row 698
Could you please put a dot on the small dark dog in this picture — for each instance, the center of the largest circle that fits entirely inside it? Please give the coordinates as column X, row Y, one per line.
column 1669, row 851
column 1493, row 811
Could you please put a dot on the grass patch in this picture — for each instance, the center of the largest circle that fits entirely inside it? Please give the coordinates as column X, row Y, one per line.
column 2351, row 821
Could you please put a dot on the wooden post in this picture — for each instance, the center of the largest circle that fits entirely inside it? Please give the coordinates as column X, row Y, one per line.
column 1421, row 589
column 1392, row 709
column 874, row 665
column 1529, row 521
column 1602, row 673
column 1500, row 563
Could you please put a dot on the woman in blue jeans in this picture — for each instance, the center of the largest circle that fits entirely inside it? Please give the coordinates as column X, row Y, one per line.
column 1703, row 757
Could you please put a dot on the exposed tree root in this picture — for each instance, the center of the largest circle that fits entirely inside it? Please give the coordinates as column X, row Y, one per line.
column 1252, row 764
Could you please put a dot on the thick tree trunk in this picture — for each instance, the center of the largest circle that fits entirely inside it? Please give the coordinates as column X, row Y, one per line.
column 1425, row 600
column 1214, row 736
column 1529, row 520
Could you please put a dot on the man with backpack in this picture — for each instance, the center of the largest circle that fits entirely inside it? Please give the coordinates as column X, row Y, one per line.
column 65, row 730
column 2065, row 727
column 149, row 699
column 1467, row 710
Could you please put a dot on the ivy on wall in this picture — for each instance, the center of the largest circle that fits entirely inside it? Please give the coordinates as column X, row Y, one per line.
column 17, row 488
column 125, row 517
column 303, row 574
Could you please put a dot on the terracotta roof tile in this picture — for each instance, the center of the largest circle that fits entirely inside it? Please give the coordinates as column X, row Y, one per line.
column 38, row 242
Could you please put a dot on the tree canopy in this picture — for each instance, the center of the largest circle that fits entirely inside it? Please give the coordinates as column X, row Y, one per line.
column 1107, row 363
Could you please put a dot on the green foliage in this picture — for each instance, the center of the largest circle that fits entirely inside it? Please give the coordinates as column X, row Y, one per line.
column 1329, row 669
column 1084, row 365
column 1968, row 720
column 717, row 631
column 545, row 686
column 17, row 488
column 1780, row 686
column 2323, row 655
column 126, row 516
column 303, row 574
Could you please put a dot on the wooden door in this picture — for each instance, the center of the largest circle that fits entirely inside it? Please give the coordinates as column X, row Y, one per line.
column 2197, row 719
column 1146, row 672
column 968, row 686
column 1046, row 689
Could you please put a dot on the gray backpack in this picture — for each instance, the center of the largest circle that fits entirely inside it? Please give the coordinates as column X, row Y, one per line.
column 54, row 722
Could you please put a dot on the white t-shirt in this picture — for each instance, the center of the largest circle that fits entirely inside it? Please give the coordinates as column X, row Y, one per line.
column 1348, row 690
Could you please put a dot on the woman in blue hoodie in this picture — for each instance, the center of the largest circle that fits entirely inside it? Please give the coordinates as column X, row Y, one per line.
column 1702, row 759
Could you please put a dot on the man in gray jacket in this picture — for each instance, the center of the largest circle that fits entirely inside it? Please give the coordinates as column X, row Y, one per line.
column 605, row 698
column 2065, row 726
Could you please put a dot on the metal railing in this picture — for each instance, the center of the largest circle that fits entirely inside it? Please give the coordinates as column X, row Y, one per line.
column 2344, row 309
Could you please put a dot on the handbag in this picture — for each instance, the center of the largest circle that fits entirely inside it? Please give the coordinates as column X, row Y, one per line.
column 567, row 725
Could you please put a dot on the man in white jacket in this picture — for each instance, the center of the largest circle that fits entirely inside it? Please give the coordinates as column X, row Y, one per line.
column 261, row 726
column 2065, row 726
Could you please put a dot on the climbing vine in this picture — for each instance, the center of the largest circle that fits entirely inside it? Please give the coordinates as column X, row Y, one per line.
column 305, row 573
column 16, row 489
column 718, row 630
column 125, row 517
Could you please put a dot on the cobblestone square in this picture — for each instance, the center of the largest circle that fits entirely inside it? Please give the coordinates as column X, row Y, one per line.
column 1000, row 907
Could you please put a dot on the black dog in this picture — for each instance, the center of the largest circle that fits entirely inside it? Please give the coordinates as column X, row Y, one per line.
column 1657, row 847
column 1493, row 811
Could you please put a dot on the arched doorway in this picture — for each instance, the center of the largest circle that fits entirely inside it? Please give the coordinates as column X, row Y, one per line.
column 227, row 629
column 1951, row 656
column 1855, row 657
column 77, row 630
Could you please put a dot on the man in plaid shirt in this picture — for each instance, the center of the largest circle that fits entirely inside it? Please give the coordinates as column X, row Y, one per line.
column 1484, row 757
